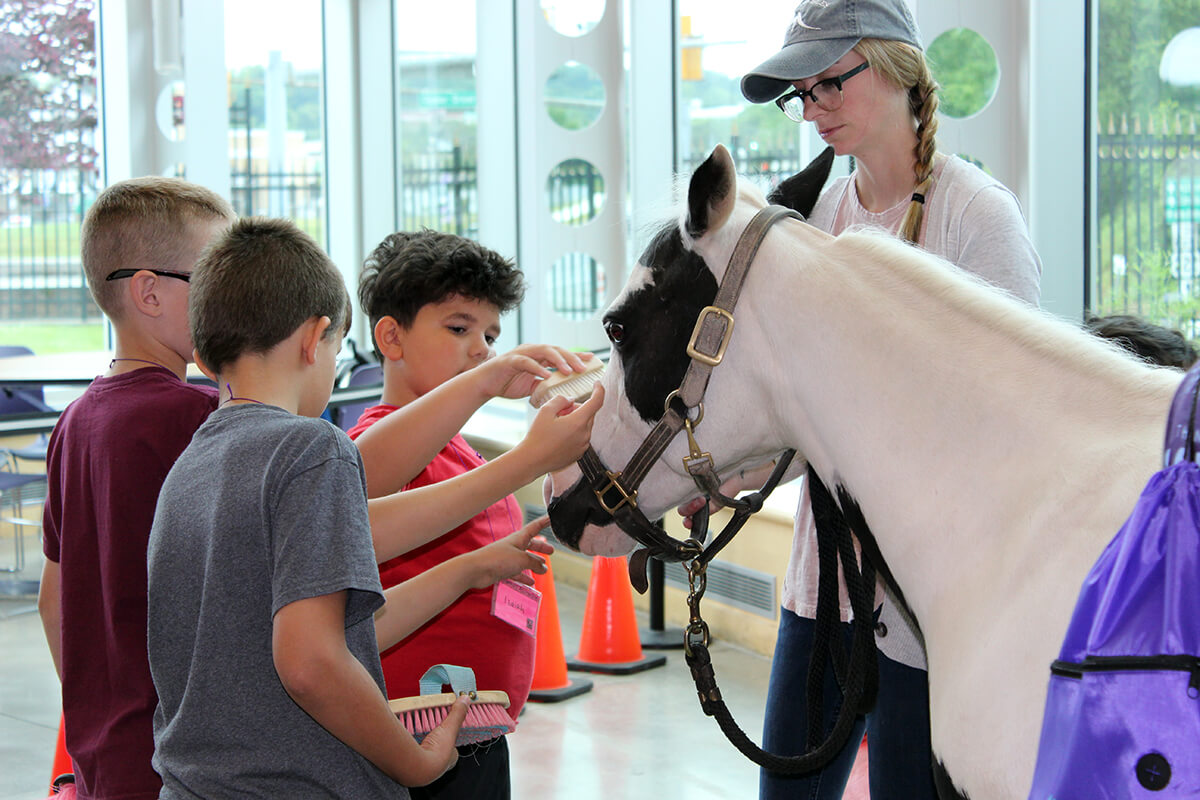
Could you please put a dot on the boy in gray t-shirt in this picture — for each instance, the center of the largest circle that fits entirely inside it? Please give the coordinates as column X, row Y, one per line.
column 266, row 615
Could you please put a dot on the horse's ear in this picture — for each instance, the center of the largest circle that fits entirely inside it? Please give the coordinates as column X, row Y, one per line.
column 800, row 192
column 711, row 193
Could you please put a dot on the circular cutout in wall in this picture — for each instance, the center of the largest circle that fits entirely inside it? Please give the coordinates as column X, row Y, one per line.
column 575, row 192
column 967, row 70
column 576, row 288
column 574, row 96
column 573, row 17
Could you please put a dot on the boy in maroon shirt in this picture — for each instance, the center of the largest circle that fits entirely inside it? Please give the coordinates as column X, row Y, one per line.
column 108, row 456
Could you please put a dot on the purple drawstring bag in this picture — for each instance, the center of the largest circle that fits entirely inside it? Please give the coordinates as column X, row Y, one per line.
column 1122, row 715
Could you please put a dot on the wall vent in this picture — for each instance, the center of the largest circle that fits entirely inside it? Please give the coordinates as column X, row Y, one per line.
column 738, row 586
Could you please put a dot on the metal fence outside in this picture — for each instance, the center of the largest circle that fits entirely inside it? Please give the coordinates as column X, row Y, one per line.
column 1147, row 221
column 439, row 191
column 40, row 214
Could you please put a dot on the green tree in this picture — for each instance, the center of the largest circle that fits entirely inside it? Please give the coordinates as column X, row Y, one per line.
column 1130, row 39
column 47, row 84
column 965, row 67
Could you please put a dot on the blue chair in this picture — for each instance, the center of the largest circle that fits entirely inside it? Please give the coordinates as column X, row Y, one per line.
column 360, row 375
column 16, row 491
column 34, row 451
column 15, row 399
column 19, row 489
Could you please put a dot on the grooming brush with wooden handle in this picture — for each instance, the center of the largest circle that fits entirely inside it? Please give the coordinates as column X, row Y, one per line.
column 486, row 717
column 575, row 385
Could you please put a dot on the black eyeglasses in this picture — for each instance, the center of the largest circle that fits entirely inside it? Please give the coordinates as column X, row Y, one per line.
column 117, row 274
column 827, row 94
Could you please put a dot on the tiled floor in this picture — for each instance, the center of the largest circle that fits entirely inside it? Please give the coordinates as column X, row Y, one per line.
column 636, row 736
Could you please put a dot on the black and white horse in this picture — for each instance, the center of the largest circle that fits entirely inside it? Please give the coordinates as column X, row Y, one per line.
column 993, row 450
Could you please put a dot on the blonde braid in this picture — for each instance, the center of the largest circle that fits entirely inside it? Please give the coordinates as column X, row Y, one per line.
column 905, row 66
column 924, row 101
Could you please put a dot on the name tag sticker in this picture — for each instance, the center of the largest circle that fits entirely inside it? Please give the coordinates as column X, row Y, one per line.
column 517, row 604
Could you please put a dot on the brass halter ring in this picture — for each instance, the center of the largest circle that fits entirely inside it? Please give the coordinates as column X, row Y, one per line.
column 695, row 423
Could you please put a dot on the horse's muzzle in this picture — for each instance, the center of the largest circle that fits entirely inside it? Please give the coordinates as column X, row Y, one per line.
column 573, row 510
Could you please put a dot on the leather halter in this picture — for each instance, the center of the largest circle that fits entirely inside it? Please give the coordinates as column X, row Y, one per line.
column 616, row 492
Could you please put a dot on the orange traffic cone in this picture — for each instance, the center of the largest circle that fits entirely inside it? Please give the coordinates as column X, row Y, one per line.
column 550, row 681
column 62, row 761
column 609, row 642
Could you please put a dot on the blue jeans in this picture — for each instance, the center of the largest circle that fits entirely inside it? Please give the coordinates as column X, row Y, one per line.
column 897, row 729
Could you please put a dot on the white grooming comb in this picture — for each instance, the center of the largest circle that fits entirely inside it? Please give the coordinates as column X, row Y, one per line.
column 575, row 385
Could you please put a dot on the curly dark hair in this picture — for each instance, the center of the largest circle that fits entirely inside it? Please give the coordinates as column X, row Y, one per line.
column 410, row 270
column 1152, row 343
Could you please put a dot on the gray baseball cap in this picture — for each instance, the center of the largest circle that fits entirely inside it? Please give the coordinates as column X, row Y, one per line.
column 823, row 31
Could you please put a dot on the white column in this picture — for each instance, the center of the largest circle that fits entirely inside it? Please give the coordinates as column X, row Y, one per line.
column 275, row 96
column 999, row 134
column 542, row 144
column 206, row 98
column 378, row 141
column 1058, row 164
column 132, row 144
column 343, row 158
column 652, row 123
column 496, row 93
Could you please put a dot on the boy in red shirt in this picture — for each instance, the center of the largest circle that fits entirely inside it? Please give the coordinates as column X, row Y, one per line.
column 434, row 301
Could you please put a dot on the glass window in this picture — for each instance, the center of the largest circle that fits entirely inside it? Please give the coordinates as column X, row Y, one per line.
column 716, row 49
column 436, row 110
column 48, row 174
column 1145, row 259
column 273, row 54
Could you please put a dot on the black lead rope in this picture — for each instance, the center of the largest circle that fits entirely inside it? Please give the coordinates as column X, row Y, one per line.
column 858, row 679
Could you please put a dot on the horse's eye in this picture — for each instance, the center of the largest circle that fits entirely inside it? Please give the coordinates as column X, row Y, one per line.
column 615, row 331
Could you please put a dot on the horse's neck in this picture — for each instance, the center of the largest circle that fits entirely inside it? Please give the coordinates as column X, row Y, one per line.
column 950, row 422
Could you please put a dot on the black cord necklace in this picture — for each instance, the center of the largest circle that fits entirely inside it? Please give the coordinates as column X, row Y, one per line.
column 233, row 397
column 140, row 361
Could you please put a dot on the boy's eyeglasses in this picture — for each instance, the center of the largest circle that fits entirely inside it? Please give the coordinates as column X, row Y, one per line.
column 827, row 94
column 117, row 274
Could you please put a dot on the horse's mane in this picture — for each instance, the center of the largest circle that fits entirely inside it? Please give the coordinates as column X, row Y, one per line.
column 1069, row 345
column 986, row 305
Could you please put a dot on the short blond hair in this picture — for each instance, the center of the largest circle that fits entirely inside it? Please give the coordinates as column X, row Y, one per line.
column 143, row 222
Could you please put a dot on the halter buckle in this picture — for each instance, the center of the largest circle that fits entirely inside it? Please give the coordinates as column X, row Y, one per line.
column 614, row 482
column 704, row 316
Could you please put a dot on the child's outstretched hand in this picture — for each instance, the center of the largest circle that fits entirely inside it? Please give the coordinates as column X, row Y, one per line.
column 514, row 555
column 560, row 432
column 515, row 373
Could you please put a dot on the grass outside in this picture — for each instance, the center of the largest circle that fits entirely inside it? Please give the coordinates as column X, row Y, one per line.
column 40, row 240
column 60, row 240
column 61, row 337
